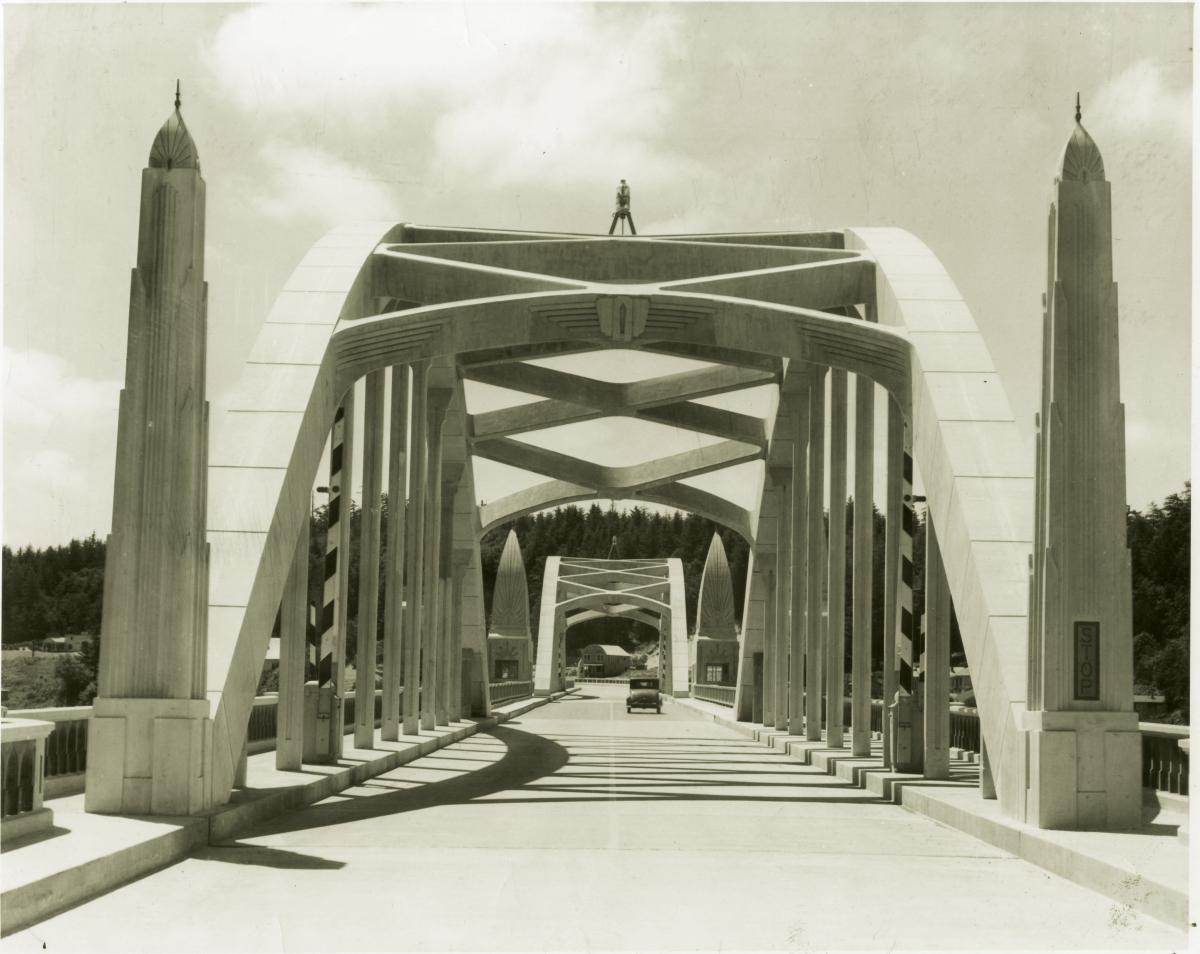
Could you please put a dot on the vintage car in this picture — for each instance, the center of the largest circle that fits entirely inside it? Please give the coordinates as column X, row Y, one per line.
column 643, row 694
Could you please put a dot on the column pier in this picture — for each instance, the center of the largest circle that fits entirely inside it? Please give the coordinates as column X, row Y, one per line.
column 337, row 559
column 768, row 570
column 936, row 671
column 905, row 713
column 368, row 574
column 891, row 571
column 782, row 594
column 814, row 647
column 293, row 656
column 416, row 557
column 438, row 402
column 393, row 606
column 864, row 541
column 835, row 654
column 798, row 565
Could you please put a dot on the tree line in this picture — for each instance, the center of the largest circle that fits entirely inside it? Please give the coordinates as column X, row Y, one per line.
column 59, row 590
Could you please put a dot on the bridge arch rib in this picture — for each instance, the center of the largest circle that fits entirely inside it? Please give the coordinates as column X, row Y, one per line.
column 978, row 482
column 324, row 333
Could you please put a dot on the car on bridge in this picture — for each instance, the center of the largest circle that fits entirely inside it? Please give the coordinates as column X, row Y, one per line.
column 643, row 694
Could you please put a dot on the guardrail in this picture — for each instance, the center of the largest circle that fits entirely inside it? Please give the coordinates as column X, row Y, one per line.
column 507, row 691
column 709, row 692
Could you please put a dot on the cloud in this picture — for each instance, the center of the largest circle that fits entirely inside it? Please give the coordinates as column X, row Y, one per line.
column 1138, row 101
column 59, row 437
column 305, row 182
column 469, row 96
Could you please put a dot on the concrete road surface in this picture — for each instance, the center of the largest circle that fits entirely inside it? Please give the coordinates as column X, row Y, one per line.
column 582, row 827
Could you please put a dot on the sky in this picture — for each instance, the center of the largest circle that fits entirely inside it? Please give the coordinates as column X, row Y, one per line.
column 947, row 120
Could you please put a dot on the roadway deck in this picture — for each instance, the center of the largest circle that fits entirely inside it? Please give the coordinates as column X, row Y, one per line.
column 580, row 827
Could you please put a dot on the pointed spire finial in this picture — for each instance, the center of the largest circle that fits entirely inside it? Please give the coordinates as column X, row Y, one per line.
column 1078, row 111
column 177, row 94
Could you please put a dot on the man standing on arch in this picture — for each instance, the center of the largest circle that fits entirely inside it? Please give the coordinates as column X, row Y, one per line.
column 622, row 210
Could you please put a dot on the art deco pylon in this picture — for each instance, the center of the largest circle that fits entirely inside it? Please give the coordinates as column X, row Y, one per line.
column 150, row 734
column 1085, row 749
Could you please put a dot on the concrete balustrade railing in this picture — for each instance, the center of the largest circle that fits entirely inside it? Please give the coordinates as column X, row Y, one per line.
column 601, row 681
column 718, row 695
column 22, row 764
column 1165, row 757
column 65, row 759
column 66, row 747
column 507, row 691
column 1164, row 749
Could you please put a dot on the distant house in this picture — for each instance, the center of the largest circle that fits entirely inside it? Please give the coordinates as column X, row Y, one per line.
column 961, row 689
column 600, row 661
column 66, row 644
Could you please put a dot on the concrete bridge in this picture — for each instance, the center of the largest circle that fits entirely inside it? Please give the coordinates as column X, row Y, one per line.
column 578, row 827
column 388, row 333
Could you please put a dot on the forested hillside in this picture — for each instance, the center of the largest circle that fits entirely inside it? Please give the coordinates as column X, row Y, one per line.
column 59, row 590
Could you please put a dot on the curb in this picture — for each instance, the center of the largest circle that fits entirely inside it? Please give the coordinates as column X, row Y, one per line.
column 913, row 792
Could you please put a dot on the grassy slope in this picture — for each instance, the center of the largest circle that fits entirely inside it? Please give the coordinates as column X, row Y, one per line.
column 29, row 679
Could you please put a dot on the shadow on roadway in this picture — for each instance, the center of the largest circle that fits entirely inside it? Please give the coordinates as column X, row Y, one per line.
column 526, row 757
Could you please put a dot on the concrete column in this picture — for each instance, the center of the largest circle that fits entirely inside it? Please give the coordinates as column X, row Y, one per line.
column 293, row 654
column 441, row 701
column 766, row 569
column 864, row 541
column 415, row 548
column 936, row 670
column 770, row 626
column 814, row 669
column 393, row 606
column 907, row 737
column 891, row 571
column 340, row 565
column 783, row 595
column 448, row 666
column 835, row 653
column 368, row 562
column 798, row 564
column 462, row 565
column 438, row 402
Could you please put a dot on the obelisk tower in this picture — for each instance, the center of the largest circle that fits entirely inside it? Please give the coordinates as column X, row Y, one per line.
column 510, row 641
column 150, row 735
column 714, row 650
column 1085, row 750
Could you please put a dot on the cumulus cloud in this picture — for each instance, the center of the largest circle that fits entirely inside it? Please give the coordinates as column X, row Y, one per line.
column 1139, row 101
column 306, row 182
column 59, row 437
column 494, row 95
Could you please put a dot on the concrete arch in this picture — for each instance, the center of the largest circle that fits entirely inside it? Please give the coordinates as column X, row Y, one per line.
column 978, row 482
column 323, row 334
column 557, row 493
column 631, row 612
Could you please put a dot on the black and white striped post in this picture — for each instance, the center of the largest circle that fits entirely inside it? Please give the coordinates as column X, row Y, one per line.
column 331, row 667
column 904, row 712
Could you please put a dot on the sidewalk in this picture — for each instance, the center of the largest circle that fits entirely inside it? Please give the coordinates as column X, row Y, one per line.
column 85, row 855
column 1146, row 870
